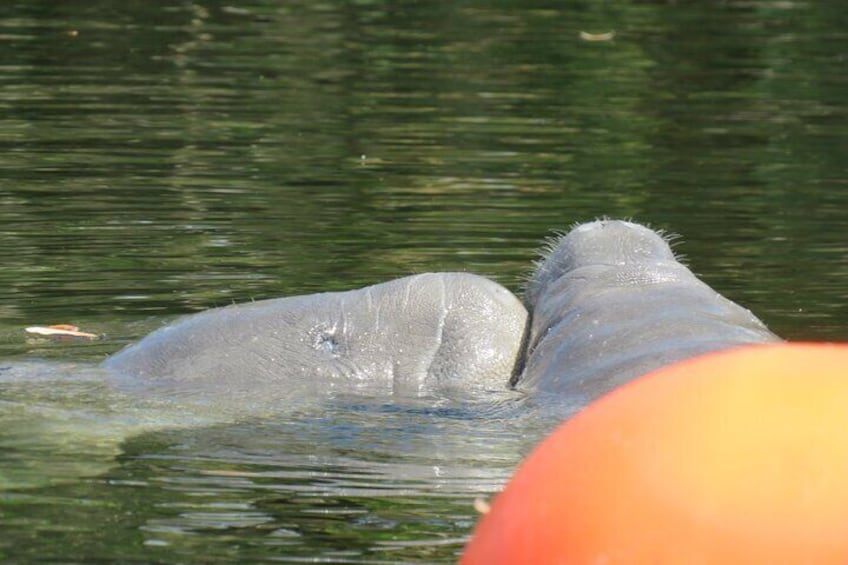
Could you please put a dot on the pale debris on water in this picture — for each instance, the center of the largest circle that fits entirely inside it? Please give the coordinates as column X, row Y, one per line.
column 606, row 36
column 60, row 331
column 481, row 505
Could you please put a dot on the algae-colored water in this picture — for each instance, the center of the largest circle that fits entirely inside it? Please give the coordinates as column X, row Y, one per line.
column 163, row 158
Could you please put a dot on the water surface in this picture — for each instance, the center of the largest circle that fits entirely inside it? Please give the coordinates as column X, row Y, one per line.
column 158, row 159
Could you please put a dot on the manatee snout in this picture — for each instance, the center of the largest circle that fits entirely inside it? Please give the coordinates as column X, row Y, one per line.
column 598, row 243
column 609, row 301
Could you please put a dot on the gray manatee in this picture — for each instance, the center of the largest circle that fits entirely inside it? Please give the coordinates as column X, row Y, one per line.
column 433, row 333
column 610, row 302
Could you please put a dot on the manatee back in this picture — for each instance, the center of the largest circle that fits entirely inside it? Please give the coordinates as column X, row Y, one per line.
column 414, row 335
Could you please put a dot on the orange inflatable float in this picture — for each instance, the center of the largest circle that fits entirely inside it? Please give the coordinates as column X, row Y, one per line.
column 736, row 457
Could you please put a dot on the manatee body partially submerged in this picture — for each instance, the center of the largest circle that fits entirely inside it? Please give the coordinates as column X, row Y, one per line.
column 608, row 302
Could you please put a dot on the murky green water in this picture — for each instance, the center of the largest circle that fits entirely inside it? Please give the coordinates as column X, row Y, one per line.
column 164, row 158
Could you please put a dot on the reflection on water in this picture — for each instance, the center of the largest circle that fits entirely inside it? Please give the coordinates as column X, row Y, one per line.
column 161, row 159
column 364, row 483
column 337, row 478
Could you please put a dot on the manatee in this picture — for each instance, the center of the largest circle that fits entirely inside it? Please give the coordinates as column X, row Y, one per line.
column 608, row 302
column 427, row 334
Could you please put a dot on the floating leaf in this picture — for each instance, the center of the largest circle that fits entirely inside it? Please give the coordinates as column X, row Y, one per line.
column 60, row 330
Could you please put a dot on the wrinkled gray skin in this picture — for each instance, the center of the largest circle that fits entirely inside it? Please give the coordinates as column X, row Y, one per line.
column 426, row 334
column 610, row 302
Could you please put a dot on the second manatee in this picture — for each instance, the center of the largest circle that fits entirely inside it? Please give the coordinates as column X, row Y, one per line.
column 610, row 302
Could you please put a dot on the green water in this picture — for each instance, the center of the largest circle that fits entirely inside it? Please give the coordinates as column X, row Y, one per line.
column 159, row 158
